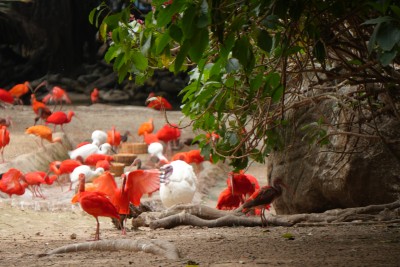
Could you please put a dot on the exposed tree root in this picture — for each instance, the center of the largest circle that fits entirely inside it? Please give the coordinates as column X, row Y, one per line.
column 157, row 247
column 203, row 216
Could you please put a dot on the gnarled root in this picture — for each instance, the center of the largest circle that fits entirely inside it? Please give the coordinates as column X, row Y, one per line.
column 203, row 216
column 157, row 247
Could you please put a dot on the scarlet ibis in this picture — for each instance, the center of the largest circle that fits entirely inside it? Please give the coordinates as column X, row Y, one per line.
column 149, row 138
column 96, row 204
column 6, row 97
column 227, row 201
column 178, row 183
column 99, row 137
column 169, row 133
column 35, row 179
column 19, row 90
column 114, row 137
column 43, row 132
column 58, row 96
column 60, row 118
column 7, row 121
column 87, row 171
column 40, row 109
column 146, row 127
column 242, row 185
column 13, row 182
column 82, row 152
column 158, row 102
column 4, row 140
column 94, row 96
column 263, row 198
column 92, row 159
column 63, row 167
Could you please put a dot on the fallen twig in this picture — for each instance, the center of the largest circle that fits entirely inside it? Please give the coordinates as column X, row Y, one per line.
column 157, row 247
column 204, row 216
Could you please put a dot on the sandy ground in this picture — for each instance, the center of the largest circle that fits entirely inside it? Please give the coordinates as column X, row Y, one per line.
column 29, row 227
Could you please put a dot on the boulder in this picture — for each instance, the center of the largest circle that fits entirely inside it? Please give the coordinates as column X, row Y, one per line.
column 353, row 170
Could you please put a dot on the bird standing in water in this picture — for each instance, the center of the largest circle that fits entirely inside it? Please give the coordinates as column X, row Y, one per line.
column 263, row 198
column 96, row 204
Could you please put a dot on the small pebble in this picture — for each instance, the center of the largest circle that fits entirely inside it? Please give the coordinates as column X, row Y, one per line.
column 73, row 236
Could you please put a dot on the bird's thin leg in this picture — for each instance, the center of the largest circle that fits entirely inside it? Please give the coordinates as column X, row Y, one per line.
column 2, row 156
column 97, row 234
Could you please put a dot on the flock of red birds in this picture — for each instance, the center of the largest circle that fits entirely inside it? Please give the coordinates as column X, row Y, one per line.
column 103, row 197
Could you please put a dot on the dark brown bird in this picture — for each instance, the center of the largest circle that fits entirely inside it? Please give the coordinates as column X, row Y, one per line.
column 263, row 198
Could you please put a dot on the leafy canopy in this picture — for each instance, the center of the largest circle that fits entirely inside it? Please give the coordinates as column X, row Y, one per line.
column 248, row 61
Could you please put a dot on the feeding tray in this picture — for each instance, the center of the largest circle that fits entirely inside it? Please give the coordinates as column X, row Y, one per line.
column 124, row 158
column 134, row 148
column 117, row 168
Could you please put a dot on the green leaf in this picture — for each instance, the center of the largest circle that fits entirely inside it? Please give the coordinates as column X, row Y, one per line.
column 146, row 46
column 387, row 36
column 243, row 52
column 204, row 18
column 188, row 26
column 199, row 45
column 112, row 52
column 162, row 42
column 165, row 14
column 139, row 60
column 277, row 94
column 264, row 41
column 180, row 58
column 91, row 15
column 387, row 57
column 377, row 20
column 176, row 33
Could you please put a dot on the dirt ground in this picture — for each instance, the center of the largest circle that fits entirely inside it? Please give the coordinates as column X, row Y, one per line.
column 29, row 227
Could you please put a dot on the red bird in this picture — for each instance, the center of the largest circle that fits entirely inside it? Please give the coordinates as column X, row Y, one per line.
column 6, row 96
column 146, row 127
column 240, row 185
column 4, row 140
column 169, row 133
column 10, row 182
column 35, row 179
column 19, row 90
column 40, row 109
column 94, row 96
column 149, row 138
column 114, row 137
column 58, row 96
column 63, row 167
column 158, row 102
column 263, row 198
column 60, row 118
column 43, row 132
column 227, row 201
column 96, row 204
column 92, row 159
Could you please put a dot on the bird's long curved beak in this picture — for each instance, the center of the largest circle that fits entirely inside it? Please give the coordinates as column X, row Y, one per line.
column 150, row 99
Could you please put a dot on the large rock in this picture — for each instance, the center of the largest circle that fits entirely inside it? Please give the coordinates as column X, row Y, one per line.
column 351, row 171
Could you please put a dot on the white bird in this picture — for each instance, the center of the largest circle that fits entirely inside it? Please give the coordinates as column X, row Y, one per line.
column 99, row 137
column 82, row 152
column 156, row 149
column 178, row 183
column 87, row 171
